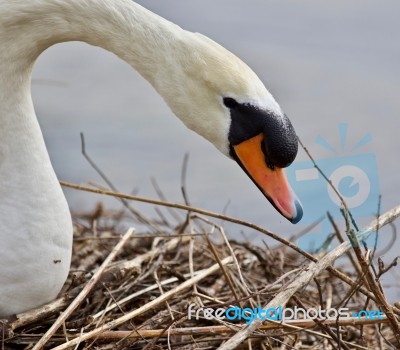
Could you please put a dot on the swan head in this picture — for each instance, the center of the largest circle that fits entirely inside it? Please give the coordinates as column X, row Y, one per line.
column 219, row 97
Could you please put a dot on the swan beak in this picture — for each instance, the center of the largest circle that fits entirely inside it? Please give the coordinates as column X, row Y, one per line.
column 272, row 182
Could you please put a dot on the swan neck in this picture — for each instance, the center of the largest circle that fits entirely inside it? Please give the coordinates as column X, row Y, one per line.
column 138, row 36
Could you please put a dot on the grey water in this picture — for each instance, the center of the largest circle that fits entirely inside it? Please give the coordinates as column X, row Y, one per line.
column 330, row 65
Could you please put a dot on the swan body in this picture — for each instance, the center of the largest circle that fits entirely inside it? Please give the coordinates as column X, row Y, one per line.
column 211, row 90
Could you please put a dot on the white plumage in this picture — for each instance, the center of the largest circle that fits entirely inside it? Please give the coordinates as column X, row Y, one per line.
column 191, row 72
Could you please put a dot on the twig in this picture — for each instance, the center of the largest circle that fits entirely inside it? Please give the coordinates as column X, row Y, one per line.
column 383, row 269
column 332, row 270
column 391, row 243
column 161, row 290
column 340, row 238
column 223, row 269
column 149, row 306
column 151, row 333
column 161, row 195
column 114, row 271
column 375, row 287
column 325, row 328
column 123, row 268
column 85, row 291
column 139, row 216
column 192, row 209
column 348, row 217
column 43, row 312
column 226, row 241
column 377, row 232
column 312, row 270
column 373, row 282
column 140, row 292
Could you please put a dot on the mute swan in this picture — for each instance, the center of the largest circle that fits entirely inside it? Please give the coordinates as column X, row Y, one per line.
column 212, row 91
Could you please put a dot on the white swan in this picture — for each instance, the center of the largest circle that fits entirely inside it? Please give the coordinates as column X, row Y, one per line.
column 208, row 88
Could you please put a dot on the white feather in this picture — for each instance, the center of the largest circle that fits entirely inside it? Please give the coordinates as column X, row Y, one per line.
column 191, row 72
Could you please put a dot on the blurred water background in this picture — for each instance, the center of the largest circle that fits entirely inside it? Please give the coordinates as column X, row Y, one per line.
column 325, row 62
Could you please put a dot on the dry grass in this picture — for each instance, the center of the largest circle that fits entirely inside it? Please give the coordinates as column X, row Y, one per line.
column 141, row 298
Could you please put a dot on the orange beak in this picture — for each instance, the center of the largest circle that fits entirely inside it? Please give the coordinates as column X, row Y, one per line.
column 272, row 182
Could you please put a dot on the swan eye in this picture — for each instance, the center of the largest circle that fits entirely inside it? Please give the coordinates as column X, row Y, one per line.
column 230, row 102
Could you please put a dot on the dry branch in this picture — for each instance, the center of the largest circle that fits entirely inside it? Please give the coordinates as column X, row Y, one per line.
column 152, row 333
column 149, row 306
column 111, row 273
column 244, row 223
column 128, row 299
column 85, row 291
column 312, row 270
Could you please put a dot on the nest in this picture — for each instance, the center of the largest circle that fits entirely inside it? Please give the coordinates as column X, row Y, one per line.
column 140, row 299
